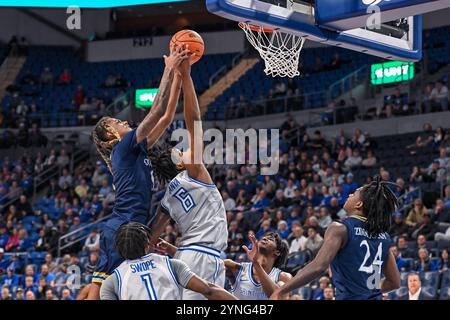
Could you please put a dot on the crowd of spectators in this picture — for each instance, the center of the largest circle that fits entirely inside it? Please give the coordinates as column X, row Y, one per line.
column 315, row 177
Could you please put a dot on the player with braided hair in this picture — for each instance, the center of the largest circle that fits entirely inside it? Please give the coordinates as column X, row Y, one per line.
column 145, row 275
column 125, row 151
column 357, row 248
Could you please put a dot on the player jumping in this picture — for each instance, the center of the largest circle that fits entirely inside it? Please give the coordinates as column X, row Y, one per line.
column 193, row 201
column 357, row 248
column 125, row 152
column 145, row 275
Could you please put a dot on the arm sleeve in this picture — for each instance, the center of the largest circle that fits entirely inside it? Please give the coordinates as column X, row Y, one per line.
column 109, row 288
column 182, row 272
column 165, row 208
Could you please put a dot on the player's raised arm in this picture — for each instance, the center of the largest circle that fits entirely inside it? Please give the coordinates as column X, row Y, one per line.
column 335, row 238
column 269, row 287
column 167, row 118
column 193, row 158
column 177, row 54
column 392, row 275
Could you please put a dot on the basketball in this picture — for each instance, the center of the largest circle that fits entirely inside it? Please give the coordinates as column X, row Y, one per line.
column 191, row 38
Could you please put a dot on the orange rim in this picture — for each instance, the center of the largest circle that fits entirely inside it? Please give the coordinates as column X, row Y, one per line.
column 255, row 28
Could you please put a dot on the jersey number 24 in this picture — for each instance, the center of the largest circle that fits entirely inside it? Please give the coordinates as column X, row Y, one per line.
column 374, row 269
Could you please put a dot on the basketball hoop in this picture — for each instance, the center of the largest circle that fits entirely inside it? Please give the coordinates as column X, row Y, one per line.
column 279, row 50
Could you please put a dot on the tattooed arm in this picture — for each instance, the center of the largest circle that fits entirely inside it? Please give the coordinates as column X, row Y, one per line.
column 177, row 54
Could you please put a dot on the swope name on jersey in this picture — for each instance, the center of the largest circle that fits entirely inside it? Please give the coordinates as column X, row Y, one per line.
column 142, row 266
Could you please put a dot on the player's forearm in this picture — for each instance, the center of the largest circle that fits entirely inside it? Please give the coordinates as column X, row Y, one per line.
column 191, row 107
column 161, row 221
column 159, row 105
column 267, row 284
column 168, row 116
column 216, row 293
column 387, row 286
column 304, row 276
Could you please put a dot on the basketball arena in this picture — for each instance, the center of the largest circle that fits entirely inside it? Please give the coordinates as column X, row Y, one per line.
column 225, row 150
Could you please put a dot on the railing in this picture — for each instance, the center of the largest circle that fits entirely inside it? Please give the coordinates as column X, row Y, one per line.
column 348, row 82
column 120, row 103
column 62, row 244
column 222, row 70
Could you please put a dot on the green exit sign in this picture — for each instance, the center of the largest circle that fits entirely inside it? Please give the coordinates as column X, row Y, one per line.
column 393, row 71
column 145, row 97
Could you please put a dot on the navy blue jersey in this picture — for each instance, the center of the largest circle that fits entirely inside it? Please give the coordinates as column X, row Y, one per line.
column 358, row 267
column 133, row 182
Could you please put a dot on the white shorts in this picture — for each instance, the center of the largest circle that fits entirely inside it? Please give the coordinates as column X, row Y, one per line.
column 205, row 263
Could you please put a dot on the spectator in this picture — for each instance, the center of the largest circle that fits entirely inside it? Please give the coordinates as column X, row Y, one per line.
column 30, row 295
column 82, row 189
column 92, row 242
column 46, row 77
column 99, row 175
column 415, row 288
column 325, row 218
column 10, row 279
column 79, row 96
column 403, row 249
column 402, row 264
column 41, row 288
column 314, row 240
column 282, row 229
column 65, row 77
column 65, row 178
column 370, row 161
column 444, row 262
column 398, row 227
column 6, row 294
column 298, row 240
column 105, row 190
column 47, row 275
column 66, row 295
column 20, row 294
column 30, row 285
column 424, row 264
column 52, row 266
column 425, row 228
column 24, row 206
column 415, row 216
column 13, row 241
column 328, row 293
column 63, row 159
column 354, row 160
column 439, row 95
column 92, row 262
column 50, row 295
column 324, row 282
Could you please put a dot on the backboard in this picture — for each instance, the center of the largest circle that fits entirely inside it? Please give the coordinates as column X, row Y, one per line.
column 389, row 29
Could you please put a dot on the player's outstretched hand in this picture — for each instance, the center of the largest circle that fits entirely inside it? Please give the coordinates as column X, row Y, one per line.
column 176, row 56
column 185, row 66
column 254, row 253
column 276, row 295
column 163, row 247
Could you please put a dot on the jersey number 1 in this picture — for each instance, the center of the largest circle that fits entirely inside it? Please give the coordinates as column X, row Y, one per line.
column 149, row 286
column 373, row 282
column 185, row 198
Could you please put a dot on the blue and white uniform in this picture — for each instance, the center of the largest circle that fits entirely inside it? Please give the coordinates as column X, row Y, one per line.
column 152, row 277
column 246, row 287
column 198, row 210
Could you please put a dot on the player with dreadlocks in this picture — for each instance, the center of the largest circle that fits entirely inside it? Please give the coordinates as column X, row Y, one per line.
column 357, row 248
column 192, row 200
column 125, row 152
column 145, row 275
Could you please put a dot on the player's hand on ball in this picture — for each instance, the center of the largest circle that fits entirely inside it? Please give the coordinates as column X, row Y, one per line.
column 176, row 56
column 185, row 67
column 252, row 254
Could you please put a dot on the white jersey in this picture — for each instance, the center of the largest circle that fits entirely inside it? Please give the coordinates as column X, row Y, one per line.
column 197, row 208
column 148, row 278
column 246, row 288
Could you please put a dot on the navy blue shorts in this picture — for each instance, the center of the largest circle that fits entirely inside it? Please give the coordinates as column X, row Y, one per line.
column 109, row 257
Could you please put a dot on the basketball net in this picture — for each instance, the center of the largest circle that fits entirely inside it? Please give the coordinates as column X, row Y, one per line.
column 279, row 50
